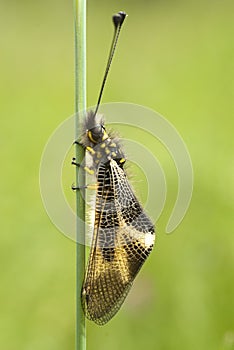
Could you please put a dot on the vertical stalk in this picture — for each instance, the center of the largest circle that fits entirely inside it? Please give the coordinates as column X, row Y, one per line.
column 80, row 105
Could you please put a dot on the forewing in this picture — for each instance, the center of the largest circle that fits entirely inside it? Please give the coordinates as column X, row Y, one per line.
column 123, row 238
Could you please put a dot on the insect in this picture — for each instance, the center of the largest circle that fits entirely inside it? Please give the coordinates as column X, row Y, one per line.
column 123, row 234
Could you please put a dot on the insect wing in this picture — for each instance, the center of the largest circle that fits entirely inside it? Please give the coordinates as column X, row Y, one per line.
column 122, row 240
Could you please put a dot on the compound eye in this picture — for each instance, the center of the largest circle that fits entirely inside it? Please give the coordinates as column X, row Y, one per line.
column 96, row 134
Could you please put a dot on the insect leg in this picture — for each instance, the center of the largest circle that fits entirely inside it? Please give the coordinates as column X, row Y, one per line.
column 75, row 188
column 87, row 148
column 89, row 187
column 89, row 170
column 76, row 142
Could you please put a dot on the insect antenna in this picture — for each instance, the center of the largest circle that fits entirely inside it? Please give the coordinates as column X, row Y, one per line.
column 118, row 20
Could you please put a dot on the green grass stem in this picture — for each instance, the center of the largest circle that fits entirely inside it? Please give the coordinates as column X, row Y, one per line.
column 80, row 105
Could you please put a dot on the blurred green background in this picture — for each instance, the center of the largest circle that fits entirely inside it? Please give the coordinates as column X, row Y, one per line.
column 176, row 57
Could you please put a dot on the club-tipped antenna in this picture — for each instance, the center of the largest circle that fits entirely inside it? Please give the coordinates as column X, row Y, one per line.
column 118, row 20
